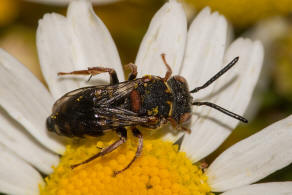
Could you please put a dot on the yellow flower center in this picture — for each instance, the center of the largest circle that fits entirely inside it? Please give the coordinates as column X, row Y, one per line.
column 161, row 169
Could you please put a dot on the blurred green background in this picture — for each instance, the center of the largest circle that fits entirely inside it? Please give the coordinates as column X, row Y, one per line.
column 128, row 20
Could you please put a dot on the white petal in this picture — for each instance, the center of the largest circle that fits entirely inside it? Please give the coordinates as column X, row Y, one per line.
column 16, row 176
column 54, row 42
column 65, row 2
column 253, row 158
column 233, row 92
column 166, row 34
column 275, row 188
column 17, row 139
column 206, row 45
column 93, row 39
column 79, row 41
column 26, row 100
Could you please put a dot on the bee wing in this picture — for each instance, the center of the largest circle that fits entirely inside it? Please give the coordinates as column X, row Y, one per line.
column 108, row 95
column 119, row 91
column 117, row 117
column 67, row 96
column 96, row 105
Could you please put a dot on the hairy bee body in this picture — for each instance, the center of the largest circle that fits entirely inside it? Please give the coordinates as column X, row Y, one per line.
column 148, row 102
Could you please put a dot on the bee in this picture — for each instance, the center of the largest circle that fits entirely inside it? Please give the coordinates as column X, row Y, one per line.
column 150, row 101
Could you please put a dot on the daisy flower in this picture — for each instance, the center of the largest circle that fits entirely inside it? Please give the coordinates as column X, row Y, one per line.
column 80, row 40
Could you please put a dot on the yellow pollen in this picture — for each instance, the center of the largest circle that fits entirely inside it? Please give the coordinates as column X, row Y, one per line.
column 161, row 169
column 154, row 111
column 79, row 98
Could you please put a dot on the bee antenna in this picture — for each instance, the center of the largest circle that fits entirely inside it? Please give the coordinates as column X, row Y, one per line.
column 216, row 76
column 223, row 110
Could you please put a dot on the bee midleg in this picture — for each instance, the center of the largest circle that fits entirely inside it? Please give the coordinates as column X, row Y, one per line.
column 133, row 73
column 139, row 135
column 123, row 138
column 92, row 71
column 169, row 71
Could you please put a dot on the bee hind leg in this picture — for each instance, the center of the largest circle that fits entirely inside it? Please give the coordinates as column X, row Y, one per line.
column 92, row 71
column 123, row 138
column 137, row 134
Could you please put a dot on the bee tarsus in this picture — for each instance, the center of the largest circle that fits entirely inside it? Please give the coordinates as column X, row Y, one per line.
column 92, row 71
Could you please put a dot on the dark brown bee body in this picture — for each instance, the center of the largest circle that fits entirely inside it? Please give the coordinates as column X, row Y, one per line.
column 148, row 101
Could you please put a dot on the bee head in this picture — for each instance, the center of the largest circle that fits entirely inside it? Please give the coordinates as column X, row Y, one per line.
column 182, row 104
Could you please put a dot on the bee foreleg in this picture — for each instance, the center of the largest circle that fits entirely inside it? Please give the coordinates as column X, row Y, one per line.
column 139, row 135
column 92, row 71
column 123, row 137
column 133, row 72
column 169, row 71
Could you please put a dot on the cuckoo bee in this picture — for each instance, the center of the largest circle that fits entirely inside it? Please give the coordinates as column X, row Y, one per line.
column 150, row 102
